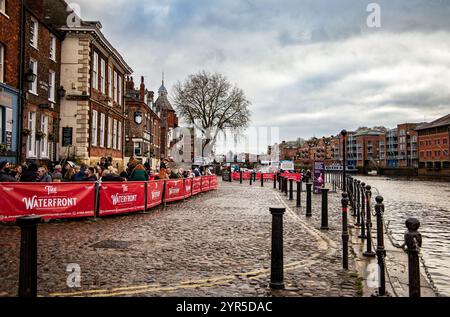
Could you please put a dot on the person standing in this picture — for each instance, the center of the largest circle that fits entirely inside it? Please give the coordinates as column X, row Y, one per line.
column 139, row 174
column 5, row 172
column 30, row 174
column 43, row 176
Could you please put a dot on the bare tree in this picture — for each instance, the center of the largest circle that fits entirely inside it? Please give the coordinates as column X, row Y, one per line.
column 212, row 105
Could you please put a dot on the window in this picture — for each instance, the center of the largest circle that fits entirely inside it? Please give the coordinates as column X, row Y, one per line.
column 445, row 141
column 2, row 62
column 34, row 68
column 114, row 131
column 51, row 86
column 94, row 127
column 115, row 87
column 137, row 149
column 120, row 90
column 95, row 72
column 119, row 136
column 53, row 47
column 3, row 6
column 102, row 76
column 102, row 130
column 31, row 142
column 34, row 29
column 109, row 132
column 44, row 140
column 110, row 80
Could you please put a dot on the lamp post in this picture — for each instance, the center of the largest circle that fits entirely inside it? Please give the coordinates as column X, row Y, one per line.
column 344, row 163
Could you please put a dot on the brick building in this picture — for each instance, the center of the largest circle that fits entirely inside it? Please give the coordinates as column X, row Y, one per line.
column 434, row 148
column 169, row 121
column 368, row 148
column 93, row 113
column 10, row 78
column 142, row 125
column 42, row 58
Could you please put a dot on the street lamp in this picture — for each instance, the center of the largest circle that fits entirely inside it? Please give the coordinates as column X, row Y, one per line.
column 344, row 164
column 30, row 76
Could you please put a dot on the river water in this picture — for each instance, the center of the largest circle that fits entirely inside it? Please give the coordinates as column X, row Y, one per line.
column 430, row 203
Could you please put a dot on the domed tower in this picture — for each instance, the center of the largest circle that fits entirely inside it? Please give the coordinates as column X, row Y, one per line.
column 169, row 120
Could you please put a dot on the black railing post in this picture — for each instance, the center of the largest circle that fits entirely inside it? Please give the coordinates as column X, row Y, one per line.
column 345, row 236
column 324, row 225
column 286, row 186
column 309, row 200
column 240, row 177
column 274, row 181
column 28, row 256
column 277, row 263
column 369, row 252
column 344, row 159
column 381, row 253
column 291, row 189
column 251, row 179
column 358, row 203
column 299, row 194
column 363, row 211
column 262, row 180
column 413, row 242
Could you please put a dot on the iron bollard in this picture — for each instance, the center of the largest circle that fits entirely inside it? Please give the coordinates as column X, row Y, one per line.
column 240, row 177
column 309, row 200
column 345, row 236
column 28, row 256
column 291, row 189
column 280, row 183
column 262, row 180
column 369, row 252
column 381, row 253
column 353, row 187
column 277, row 265
column 274, row 181
column 324, row 209
column 251, row 179
column 413, row 242
column 299, row 194
column 286, row 186
column 363, row 212
column 254, row 177
column 358, row 203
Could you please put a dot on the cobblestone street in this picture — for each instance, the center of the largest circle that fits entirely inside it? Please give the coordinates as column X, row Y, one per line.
column 216, row 244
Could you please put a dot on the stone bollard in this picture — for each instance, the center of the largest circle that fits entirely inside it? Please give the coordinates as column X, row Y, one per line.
column 291, row 189
column 309, row 200
column 363, row 212
column 277, row 263
column 324, row 225
column 413, row 242
column 369, row 252
column 299, row 194
column 28, row 256
column 345, row 236
column 381, row 253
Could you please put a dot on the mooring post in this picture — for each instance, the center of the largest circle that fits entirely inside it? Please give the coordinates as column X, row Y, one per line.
column 277, row 263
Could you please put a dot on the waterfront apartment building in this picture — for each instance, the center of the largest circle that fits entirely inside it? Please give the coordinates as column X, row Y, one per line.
column 434, row 148
column 142, row 125
column 10, row 79
column 93, row 111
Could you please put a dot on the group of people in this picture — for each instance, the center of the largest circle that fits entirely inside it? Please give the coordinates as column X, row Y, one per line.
column 136, row 171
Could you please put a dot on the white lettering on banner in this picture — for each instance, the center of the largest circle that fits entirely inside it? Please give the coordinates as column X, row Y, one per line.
column 156, row 195
column 43, row 203
column 174, row 191
column 123, row 199
column 188, row 188
column 51, row 190
column 125, row 188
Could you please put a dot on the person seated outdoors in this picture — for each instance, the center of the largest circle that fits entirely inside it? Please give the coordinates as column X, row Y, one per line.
column 139, row 174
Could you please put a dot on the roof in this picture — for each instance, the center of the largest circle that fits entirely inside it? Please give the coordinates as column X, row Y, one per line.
column 162, row 103
column 441, row 122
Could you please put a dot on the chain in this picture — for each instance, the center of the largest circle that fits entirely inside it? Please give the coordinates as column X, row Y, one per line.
column 389, row 277
column 425, row 268
column 392, row 238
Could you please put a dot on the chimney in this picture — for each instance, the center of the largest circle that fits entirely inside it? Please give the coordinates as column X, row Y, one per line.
column 129, row 84
column 142, row 89
column 151, row 95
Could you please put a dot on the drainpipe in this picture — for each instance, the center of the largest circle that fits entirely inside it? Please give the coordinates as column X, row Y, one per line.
column 21, row 82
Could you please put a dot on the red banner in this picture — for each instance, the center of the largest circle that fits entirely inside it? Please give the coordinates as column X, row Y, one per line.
column 205, row 183
column 196, row 185
column 214, row 183
column 296, row 177
column 187, row 187
column 118, row 198
column 155, row 193
column 174, row 190
column 47, row 200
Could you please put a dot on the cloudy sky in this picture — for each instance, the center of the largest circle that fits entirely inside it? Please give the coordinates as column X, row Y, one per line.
column 309, row 67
